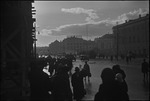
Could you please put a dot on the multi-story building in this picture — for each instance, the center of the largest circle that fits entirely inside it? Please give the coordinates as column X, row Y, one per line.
column 105, row 44
column 132, row 37
column 55, row 47
column 71, row 45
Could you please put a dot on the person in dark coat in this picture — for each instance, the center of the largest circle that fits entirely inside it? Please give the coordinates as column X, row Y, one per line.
column 145, row 69
column 120, row 77
column 86, row 71
column 121, row 82
column 61, row 85
column 109, row 89
column 111, row 57
column 78, row 85
column 117, row 69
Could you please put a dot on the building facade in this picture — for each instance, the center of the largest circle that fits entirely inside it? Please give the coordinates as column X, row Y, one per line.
column 71, row 45
column 55, row 47
column 105, row 45
column 132, row 37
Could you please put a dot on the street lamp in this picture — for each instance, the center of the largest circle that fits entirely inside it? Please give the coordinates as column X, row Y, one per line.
column 117, row 42
column 87, row 37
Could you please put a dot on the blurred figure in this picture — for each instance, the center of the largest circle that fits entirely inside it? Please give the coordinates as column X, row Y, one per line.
column 120, row 77
column 86, row 71
column 110, row 89
column 145, row 67
column 111, row 57
column 77, row 83
column 39, row 81
column 127, row 59
column 117, row 69
column 61, row 85
column 80, row 67
column 121, row 82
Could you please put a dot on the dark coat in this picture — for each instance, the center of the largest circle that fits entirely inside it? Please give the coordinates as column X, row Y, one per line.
column 61, row 87
column 78, row 85
column 123, row 86
column 86, row 70
column 110, row 91
column 145, row 67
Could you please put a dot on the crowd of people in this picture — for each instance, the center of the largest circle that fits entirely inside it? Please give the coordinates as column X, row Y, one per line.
column 56, row 86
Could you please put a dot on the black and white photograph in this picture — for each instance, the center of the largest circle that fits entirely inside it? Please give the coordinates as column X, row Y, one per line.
column 77, row 50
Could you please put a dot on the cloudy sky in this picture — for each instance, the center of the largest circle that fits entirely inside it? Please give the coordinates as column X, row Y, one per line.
column 55, row 20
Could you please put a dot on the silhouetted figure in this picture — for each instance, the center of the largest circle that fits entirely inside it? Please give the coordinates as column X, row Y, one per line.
column 86, row 71
column 69, row 65
column 110, row 89
column 127, row 59
column 121, row 82
column 39, row 81
column 61, row 85
column 117, row 69
column 122, row 56
column 120, row 77
column 145, row 67
column 78, row 85
column 111, row 57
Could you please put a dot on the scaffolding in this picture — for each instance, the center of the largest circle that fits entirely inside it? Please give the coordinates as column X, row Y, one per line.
column 17, row 48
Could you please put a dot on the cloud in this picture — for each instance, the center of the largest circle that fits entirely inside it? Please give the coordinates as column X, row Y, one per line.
column 84, row 29
column 92, row 28
column 131, row 15
column 90, row 12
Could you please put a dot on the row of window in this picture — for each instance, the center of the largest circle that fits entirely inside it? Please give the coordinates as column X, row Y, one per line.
column 132, row 39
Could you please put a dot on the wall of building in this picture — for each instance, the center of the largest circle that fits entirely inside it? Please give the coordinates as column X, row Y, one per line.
column 71, row 45
column 105, row 45
column 133, row 36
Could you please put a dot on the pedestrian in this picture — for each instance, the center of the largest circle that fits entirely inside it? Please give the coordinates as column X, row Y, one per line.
column 121, row 82
column 86, row 71
column 120, row 77
column 111, row 58
column 116, row 68
column 78, row 85
column 39, row 81
column 127, row 59
column 109, row 89
column 61, row 85
column 145, row 67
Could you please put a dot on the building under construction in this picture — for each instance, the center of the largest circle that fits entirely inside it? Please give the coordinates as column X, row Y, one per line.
column 17, row 48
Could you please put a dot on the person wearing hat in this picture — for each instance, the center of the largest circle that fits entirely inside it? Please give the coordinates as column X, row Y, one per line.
column 77, row 84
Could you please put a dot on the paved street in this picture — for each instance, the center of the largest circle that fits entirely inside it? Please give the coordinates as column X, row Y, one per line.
column 137, row 89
